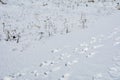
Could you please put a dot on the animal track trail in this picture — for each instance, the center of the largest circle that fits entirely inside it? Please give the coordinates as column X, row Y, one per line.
column 89, row 49
column 47, row 67
column 65, row 57
column 66, row 61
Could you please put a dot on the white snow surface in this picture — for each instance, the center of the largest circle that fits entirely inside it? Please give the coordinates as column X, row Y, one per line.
column 59, row 40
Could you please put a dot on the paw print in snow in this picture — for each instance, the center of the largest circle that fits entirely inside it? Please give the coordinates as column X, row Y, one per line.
column 98, row 76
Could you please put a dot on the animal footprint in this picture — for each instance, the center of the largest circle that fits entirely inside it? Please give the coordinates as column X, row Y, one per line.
column 46, row 63
column 90, row 54
column 55, row 50
column 98, row 76
column 35, row 73
column 65, row 77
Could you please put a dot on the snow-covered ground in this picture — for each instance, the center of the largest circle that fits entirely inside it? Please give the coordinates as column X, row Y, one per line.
column 59, row 40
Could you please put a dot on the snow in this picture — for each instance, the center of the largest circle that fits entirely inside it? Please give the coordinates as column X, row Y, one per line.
column 7, row 78
column 59, row 40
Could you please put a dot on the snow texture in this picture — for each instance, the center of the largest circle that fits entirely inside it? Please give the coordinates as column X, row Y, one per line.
column 59, row 40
